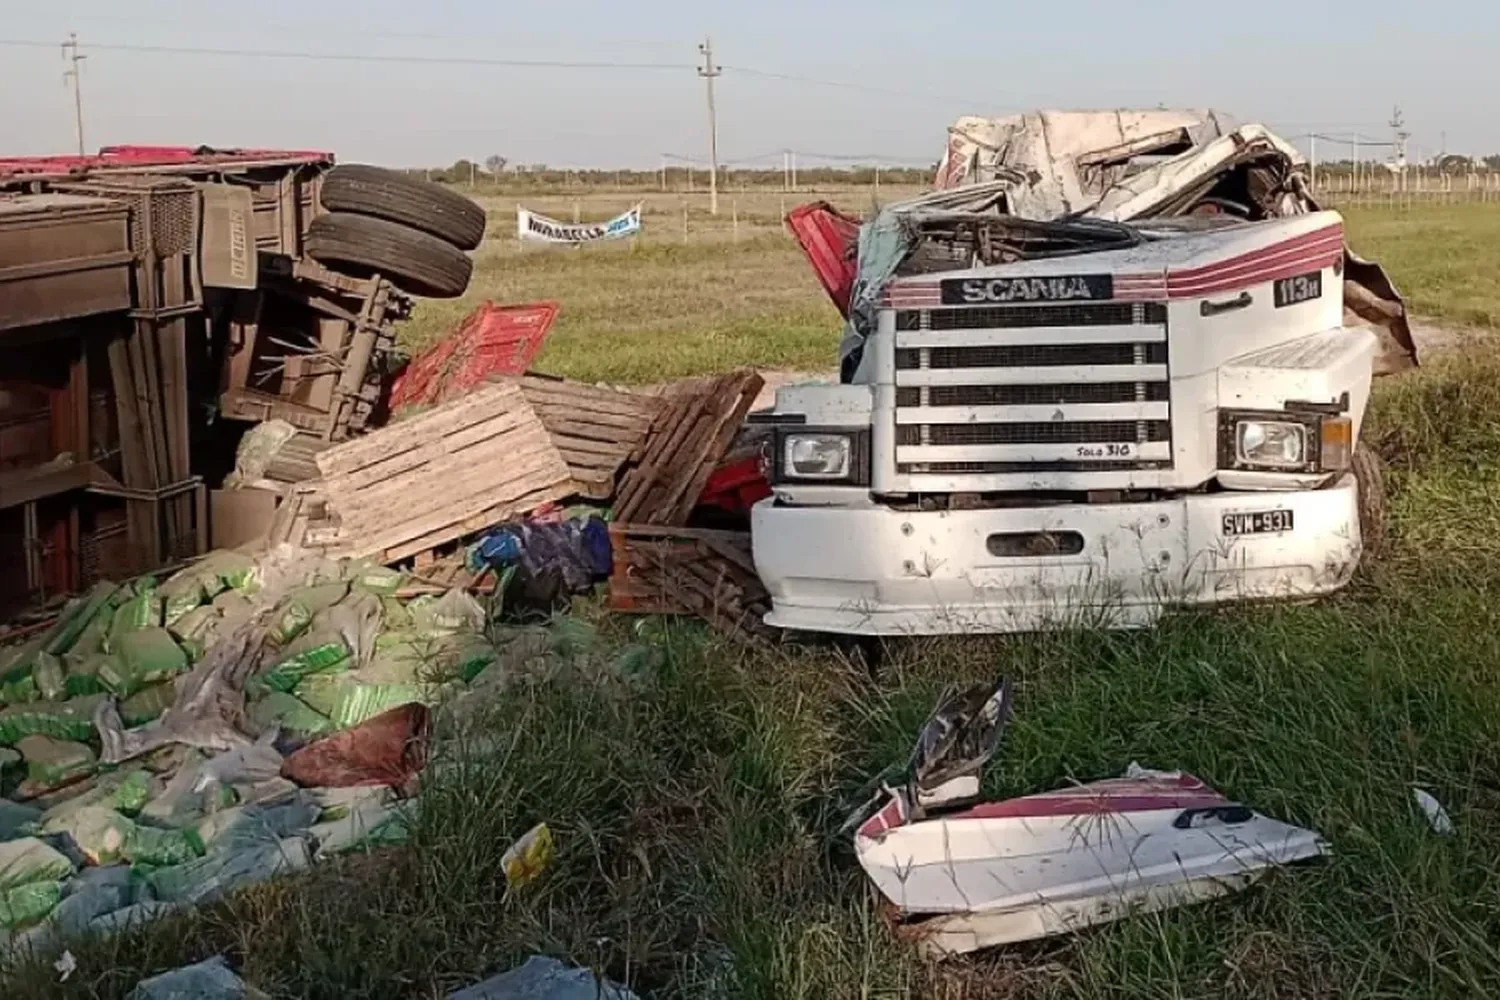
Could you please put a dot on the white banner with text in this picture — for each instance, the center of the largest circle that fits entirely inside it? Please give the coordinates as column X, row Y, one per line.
column 531, row 226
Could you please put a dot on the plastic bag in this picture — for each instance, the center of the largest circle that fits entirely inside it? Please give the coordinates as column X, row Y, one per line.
column 290, row 713
column 208, row 878
column 146, row 656
column 455, row 611
column 80, row 615
column 148, row 704
column 69, row 720
column 348, row 701
column 98, row 831
column 53, row 763
column 47, row 672
column 372, row 823
column 389, row 749
column 528, row 857
column 141, row 611
column 19, row 691
column 149, row 845
column 210, row 980
column 291, row 620
column 134, row 792
column 357, row 619
column 247, row 765
column 378, row 580
column 82, row 677
column 29, row 860
column 315, row 654
column 224, row 568
column 257, row 449
column 181, row 594
column 28, row 904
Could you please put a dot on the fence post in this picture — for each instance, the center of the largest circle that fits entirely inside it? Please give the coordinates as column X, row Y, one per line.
column 684, row 223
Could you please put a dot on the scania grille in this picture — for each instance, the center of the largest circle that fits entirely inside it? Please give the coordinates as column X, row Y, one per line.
column 1032, row 388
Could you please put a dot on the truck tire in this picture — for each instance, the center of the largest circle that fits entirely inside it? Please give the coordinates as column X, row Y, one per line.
column 1369, row 484
column 415, row 262
column 395, row 197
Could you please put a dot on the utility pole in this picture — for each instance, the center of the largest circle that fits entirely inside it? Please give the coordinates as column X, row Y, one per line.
column 1399, row 128
column 664, row 173
column 70, row 55
column 794, row 169
column 1312, row 156
column 709, row 71
column 786, row 170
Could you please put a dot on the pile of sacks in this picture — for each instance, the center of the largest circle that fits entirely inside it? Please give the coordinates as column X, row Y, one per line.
column 165, row 742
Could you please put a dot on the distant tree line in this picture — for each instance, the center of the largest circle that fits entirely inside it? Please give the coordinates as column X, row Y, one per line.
column 499, row 171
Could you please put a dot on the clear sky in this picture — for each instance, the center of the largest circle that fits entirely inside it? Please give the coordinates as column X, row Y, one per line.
column 1300, row 66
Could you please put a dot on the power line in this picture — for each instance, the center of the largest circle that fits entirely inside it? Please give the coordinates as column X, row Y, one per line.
column 371, row 57
column 844, row 85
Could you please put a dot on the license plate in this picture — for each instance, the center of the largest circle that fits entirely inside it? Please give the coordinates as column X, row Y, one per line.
column 1302, row 288
column 1262, row 522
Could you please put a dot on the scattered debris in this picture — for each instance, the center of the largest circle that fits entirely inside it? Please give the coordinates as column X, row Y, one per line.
column 192, row 690
column 1437, row 816
column 210, row 980
column 684, row 446
column 65, row 965
column 688, row 571
column 548, row 557
column 959, row 877
column 543, row 978
column 389, row 749
column 528, row 857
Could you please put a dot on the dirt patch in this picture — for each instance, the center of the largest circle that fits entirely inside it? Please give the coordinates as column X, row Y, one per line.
column 1434, row 338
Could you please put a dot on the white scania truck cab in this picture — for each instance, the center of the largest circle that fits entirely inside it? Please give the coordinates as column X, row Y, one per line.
column 1086, row 438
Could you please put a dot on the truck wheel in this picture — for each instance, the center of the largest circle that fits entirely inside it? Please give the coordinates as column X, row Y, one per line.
column 414, row 262
column 395, row 197
column 1369, row 483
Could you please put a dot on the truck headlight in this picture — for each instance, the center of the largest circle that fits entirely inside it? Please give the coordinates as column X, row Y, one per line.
column 817, row 456
column 822, row 455
column 1276, row 441
column 1277, row 444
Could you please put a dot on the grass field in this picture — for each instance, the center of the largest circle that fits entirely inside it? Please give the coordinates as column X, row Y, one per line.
column 696, row 789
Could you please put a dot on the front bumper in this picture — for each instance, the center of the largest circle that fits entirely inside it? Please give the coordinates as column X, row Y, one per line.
column 878, row 571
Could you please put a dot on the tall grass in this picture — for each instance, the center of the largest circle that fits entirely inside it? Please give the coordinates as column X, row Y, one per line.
column 696, row 792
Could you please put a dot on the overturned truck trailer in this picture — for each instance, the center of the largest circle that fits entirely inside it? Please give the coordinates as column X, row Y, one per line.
column 145, row 291
column 1117, row 362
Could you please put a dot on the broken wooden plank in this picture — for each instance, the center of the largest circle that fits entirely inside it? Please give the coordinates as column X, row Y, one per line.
column 441, row 475
column 664, row 570
column 685, row 444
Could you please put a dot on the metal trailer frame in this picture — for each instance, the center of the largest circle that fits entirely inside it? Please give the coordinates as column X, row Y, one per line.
column 111, row 485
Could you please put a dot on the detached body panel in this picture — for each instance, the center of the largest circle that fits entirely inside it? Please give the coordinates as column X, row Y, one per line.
column 1060, row 861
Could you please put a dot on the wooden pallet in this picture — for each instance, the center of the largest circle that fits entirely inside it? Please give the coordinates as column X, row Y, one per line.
column 424, row 482
column 688, row 439
column 688, row 571
column 596, row 429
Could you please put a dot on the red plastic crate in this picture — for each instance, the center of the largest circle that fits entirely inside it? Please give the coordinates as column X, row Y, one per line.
column 492, row 340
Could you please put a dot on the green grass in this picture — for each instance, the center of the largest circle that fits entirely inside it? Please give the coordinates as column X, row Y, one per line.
column 1442, row 257
column 696, row 790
